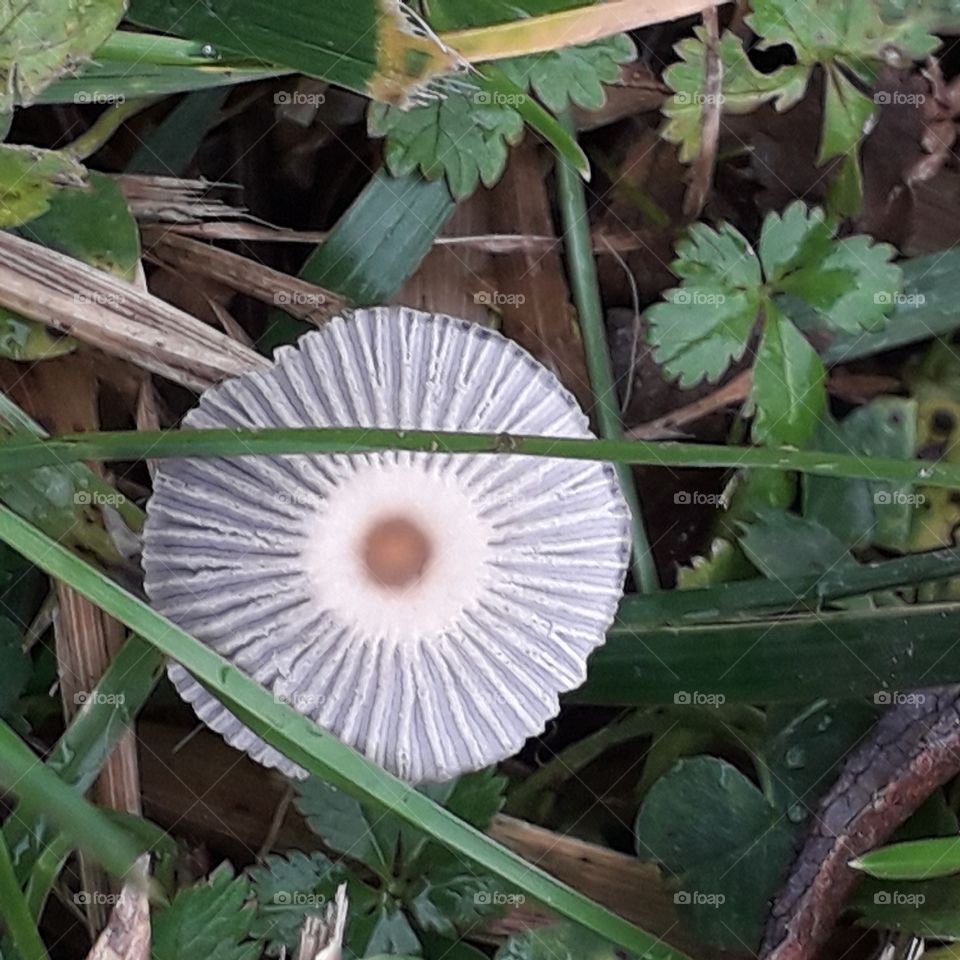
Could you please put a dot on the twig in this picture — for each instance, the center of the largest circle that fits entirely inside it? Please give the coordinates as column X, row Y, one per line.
column 701, row 172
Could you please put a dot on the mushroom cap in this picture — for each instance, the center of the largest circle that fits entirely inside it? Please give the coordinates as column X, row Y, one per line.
column 504, row 571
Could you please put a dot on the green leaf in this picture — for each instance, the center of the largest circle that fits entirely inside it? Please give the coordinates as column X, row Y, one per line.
column 28, row 180
column 706, row 323
column 450, row 900
column 788, row 384
column 561, row 941
column 93, row 225
column 850, row 31
column 846, row 115
column 463, row 137
column 914, row 860
column 813, row 550
column 721, row 843
column 15, row 665
column 347, row 827
column 208, row 920
column 477, row 797
column 861, row 512
column 573, row 74
column 287, row 888
column 744, row 88
column 45, row 39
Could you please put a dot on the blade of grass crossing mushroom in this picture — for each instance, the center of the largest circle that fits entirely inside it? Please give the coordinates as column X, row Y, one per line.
column 317, row 751
column 15, row 912
column 18, row 454
column 582, row 269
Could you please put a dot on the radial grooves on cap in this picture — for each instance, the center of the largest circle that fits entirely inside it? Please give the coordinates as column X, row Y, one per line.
column 226, row 539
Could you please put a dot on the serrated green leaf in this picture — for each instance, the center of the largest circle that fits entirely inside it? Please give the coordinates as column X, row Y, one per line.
column 562, row 941
column 851, row 31
column 287, row 888
column 346, row 827
column 451, row 900
column 29, row 178
column 705, row 324
column 475, row 797
column 573, row 74
column 722, row 844
column 45, row 39
column 744, row 88
column 788, row 384
column 208, row 920
column 851, row 283
column 463, row 137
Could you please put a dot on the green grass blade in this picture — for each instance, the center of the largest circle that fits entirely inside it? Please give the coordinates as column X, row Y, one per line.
column 16, row 914
column 25, row 775
column 793, row 659
column 742, row 599
column 317, row 751
column 19, row 454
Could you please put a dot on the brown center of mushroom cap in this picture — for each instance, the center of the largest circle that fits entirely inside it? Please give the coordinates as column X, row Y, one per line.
column 395, row 552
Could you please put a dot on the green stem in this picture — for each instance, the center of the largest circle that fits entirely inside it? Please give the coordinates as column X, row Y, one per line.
column 103, row 128
column 582, row 268
column 16, row 914
column 316, row 750
column 26, row 454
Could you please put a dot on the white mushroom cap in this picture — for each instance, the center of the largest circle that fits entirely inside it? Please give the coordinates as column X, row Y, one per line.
column 426, row 608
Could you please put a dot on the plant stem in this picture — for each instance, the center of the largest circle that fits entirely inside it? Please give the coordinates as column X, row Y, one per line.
column 582, row 269
column 103, row 128
column 27, row 454
column 16, row 914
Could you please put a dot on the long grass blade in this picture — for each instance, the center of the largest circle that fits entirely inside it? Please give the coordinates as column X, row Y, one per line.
column 312, row 748
column 19, row 454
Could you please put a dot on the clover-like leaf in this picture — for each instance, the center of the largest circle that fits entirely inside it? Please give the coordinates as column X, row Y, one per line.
column 744, row 87
column 29, row 178
column 464, row 137
column 573, row 74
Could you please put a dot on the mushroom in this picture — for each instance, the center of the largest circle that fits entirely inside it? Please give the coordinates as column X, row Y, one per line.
column 426, row 608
